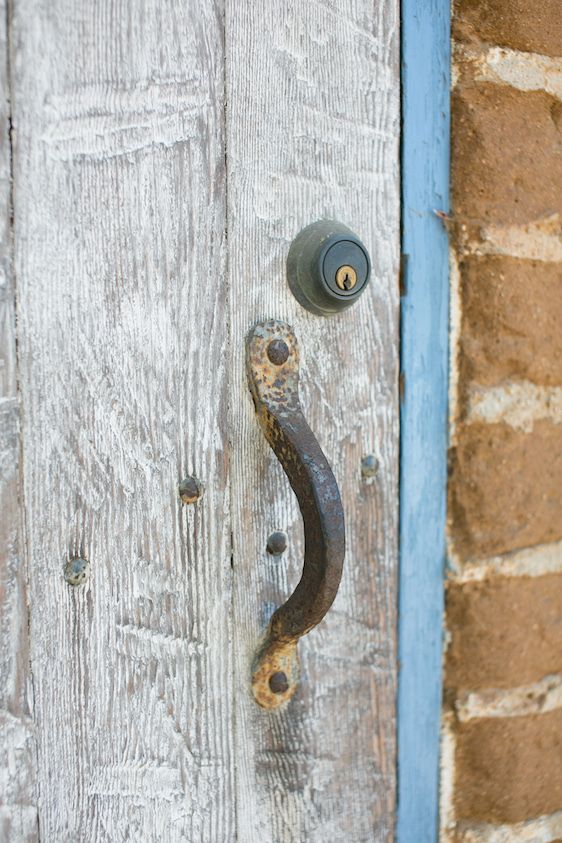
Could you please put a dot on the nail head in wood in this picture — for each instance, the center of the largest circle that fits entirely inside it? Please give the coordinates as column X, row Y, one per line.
column 76, row 571
column 190, row 490
column 277, row 543
column 369, row 466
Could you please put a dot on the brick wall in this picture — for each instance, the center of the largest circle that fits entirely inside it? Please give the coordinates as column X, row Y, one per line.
column 502, row 732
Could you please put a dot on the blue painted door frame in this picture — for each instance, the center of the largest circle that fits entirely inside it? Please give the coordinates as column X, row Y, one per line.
column 424, row 362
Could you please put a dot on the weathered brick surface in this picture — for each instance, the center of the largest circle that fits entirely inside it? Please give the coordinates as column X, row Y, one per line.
column 505, row 489
column 504, row 633
column 509, row 769
column 511, row 320
column 506, row 154
column 530, row 25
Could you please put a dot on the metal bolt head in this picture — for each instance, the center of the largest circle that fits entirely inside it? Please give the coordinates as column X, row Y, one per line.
column 369, row 466
column 278, row 352
column 76, row 571
column 278, row 682
column 190, row 490
column 277, row 543
column 346, row 277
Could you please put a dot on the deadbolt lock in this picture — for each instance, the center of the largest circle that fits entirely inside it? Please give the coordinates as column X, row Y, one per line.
column 328, row 267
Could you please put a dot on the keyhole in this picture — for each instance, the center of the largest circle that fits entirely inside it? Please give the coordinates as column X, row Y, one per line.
column 346, row 278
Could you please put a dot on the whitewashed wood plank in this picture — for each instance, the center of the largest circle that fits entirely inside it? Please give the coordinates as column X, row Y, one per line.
column 119, row 250
column 312, row 132
column 18, row 811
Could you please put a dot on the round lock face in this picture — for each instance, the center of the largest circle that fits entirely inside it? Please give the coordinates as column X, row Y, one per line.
column 328, row 267
column 345, row 268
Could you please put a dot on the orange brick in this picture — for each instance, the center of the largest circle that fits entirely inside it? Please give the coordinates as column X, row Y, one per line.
column 504, row 633
column 509, row 769
column 505, row 489
column 506, row 155
column 511, row 318
column 520, row 24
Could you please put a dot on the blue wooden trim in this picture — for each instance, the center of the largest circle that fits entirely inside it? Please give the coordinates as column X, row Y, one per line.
column 423, row 469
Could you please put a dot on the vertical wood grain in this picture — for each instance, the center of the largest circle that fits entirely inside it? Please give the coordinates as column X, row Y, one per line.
column 18, row 813
column 119, row 200
column 128, row 383
column 425, row 335
column 312, row 132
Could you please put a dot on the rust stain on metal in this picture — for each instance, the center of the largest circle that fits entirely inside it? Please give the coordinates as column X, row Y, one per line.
column 276, row 657
column 274, row 387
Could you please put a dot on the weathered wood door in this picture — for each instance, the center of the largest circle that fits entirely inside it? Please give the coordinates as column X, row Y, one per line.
column 157, row 159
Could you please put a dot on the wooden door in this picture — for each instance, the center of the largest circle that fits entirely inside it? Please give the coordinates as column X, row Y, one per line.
column 157, row 158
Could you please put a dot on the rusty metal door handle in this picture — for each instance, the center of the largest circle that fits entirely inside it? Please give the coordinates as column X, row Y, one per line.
column 272, row 362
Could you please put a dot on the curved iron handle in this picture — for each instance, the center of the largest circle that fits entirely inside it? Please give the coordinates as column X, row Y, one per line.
column 272, row 362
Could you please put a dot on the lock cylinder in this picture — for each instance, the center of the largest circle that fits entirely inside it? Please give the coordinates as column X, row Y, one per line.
column 328, row 267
